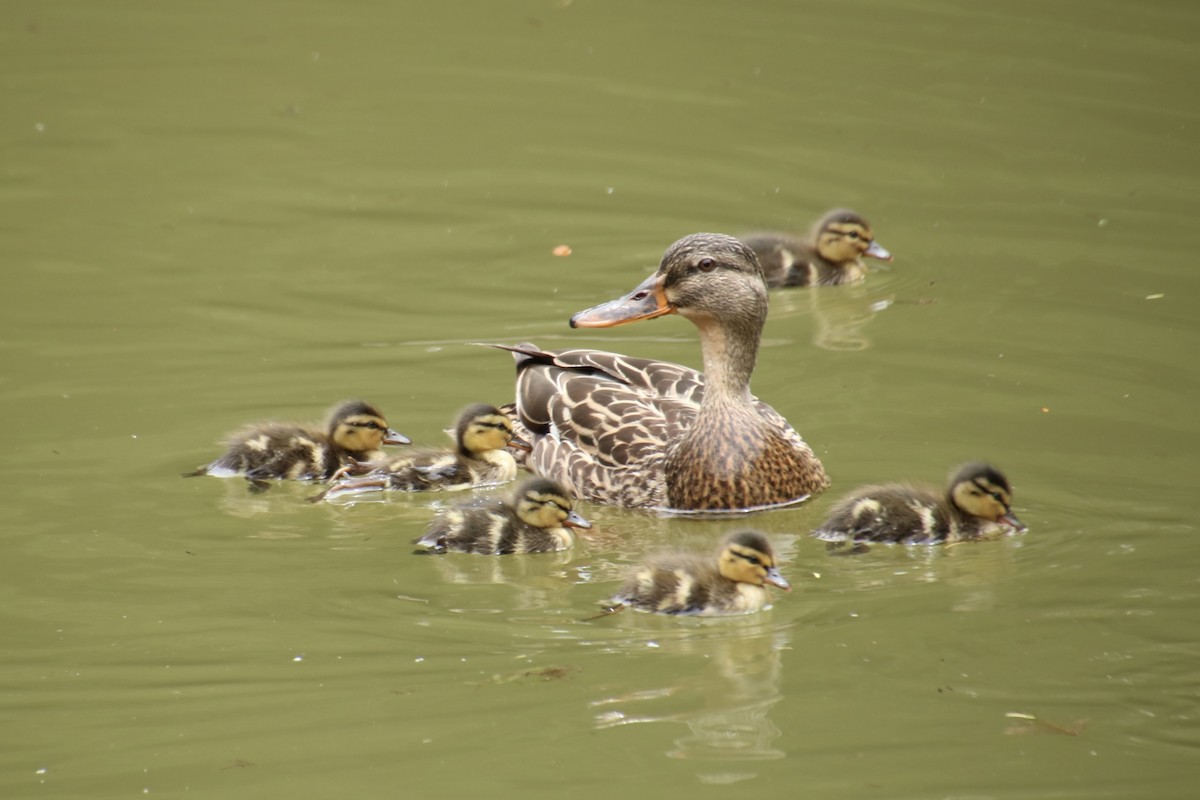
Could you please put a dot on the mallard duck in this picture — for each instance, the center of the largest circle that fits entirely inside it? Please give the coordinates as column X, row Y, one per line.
column 537, row 519
column 831, row 254
column 977, row 503
column 355, row 431
column 481, row 435
column 687, row 583
column 650, row 434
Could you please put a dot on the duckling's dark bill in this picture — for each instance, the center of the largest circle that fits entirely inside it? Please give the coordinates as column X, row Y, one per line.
column 775, row 579
column 394, row 437
column 876, row 250
column 1011, row 520
column 647, row 301
column 574, row 520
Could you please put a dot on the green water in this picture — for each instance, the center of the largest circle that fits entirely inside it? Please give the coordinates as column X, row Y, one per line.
column 214, row 213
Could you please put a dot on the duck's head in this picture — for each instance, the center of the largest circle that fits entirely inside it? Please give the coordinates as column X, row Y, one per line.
column 747, row 557
column 982, row 491
column 359, row 427
column 481, row 428
column 843, row 237
column 543, row 503
column 704, row 276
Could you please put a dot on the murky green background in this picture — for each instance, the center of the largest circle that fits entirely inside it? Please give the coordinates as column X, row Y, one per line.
column 212, row 213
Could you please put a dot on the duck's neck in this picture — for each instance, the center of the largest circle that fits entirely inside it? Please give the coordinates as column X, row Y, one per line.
column 729, row 354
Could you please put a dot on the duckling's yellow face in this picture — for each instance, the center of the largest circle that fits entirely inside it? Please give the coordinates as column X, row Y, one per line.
column 484, row 432
column 985, row 497
column 360, row 433
column 748, row 559
column 541, row 507
column 842, row 242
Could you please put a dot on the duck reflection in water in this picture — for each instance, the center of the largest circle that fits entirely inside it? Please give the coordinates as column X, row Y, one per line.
column 727, row 707
column 726, row 703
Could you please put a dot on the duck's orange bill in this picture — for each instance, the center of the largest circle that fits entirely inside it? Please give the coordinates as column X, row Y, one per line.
column 647, row 301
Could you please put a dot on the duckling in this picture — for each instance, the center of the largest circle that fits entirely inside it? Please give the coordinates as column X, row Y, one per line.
column 355, row 431
column 831, row 255
column 481, row 435
column 687, row 583
column 538, row 519
column 977, row 503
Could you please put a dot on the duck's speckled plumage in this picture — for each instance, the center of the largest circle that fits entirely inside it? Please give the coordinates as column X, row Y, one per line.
column 355, row 431
column 479, row 458
column 537, row 519
column 830, row 255
column 640, row 433
column 976, row 503
column 733, row 582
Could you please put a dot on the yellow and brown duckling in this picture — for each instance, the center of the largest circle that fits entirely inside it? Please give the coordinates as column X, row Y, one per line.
column 641, row 433
column 830, row 255
column 356, row 431
column 735, row 582
column 480, row 457
column 977, row 503
column 537, row 519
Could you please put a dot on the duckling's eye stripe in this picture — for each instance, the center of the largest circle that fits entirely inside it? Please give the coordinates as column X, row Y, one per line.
column 984, row 487
column 991, row 491
column 751, row 557
column 375, row 426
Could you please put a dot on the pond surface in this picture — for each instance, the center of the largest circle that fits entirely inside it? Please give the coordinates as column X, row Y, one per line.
column 223, row 212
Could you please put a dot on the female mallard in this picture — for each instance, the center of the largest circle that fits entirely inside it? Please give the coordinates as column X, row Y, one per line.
column 830, row 256
column 354, row 432
column 977, row 503
column 651, row 434
column 538, row 519
column 686, row 583
column 481, row 435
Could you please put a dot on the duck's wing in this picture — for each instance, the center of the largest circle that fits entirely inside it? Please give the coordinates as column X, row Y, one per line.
column 643, row 375
column 601, row 422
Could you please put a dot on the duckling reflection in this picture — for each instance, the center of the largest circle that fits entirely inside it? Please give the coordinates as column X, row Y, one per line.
column 839, row 317
column 726, row 707
column 539, row 584
column 724, row 680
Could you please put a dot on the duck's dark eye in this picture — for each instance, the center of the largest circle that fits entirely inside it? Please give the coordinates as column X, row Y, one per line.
column 854, row 234
column 707, row 264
